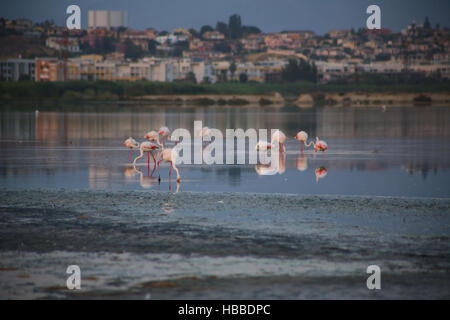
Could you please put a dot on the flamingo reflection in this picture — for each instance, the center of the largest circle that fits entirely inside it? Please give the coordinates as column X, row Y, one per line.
column 146, row 182
column 321, row 172
column 302, row 162
column 277, row 166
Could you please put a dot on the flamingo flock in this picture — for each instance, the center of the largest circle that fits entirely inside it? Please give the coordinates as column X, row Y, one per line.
column 155, row 147
column 279, row 139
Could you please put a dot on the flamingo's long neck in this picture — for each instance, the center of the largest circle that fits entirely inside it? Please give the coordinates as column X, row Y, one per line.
column 139, row 156
column 159, row 143
column 176, row 169
column 308, row 144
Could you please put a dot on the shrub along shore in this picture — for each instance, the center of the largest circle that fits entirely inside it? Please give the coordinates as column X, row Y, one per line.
column 227, row 93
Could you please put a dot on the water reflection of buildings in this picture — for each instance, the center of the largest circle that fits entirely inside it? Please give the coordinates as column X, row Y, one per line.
column 421, row 167
column 328, row 122
column 99, row 177
column 108, row 129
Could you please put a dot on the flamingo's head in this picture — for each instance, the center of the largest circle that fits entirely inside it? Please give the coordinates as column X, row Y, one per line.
column 301, row 136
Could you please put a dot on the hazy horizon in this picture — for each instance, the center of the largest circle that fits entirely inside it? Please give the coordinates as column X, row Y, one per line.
column 269, row 15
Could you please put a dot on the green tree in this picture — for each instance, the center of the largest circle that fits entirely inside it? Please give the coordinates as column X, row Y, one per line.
column 190, row 77
column 232, row 69
column 243, row 78
column 132, row 51
column 299, row 69
column 206, row 28
column 222, row 27
column 152, row 44
column 194, row 33
column 235, row 26
column 427, row 24
column 250, row 29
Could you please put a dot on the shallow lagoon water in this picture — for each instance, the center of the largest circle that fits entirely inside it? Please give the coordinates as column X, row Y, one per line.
column 69, row 195
column 400, row 152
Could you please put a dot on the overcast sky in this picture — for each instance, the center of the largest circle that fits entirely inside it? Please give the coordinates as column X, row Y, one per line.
column 269, row 15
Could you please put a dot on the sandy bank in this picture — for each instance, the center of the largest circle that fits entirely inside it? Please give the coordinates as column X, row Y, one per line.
column 374, row 99
column 220, row 99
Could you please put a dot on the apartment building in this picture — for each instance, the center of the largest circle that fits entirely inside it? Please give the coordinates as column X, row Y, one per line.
column 17, row 69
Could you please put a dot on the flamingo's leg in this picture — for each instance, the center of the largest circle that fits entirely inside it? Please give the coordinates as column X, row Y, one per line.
column 154, row 160
column 301, row 147
column 159, row 174
column 170, row 170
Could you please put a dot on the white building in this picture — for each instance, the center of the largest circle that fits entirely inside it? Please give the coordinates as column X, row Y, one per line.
column 59, row 43
column 14, row 69
column 107, row 19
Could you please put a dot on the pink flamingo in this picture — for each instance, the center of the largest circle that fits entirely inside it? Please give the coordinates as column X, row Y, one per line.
column 164, row 132
column 148, row 147
column 153, row 136
column 169, row 155
column 131, row 144
column 263, row 146
column 280, row 138
column 320, row 145
column 302, row 136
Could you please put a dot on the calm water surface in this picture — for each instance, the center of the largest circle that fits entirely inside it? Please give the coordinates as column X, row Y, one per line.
column 404, row 151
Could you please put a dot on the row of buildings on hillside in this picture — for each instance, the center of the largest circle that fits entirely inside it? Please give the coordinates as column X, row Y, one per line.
column 95, row 67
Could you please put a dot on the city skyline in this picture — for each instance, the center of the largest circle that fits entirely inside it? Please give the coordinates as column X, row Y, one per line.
column 268, row 15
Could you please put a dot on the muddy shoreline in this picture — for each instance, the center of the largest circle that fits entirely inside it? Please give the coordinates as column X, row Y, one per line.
column 158, row 245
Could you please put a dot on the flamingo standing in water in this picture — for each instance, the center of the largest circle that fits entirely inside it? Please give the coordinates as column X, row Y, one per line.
column 280, row 138
column 320, row 145
column 148, row 147
column 164, row 132
column 169, row 155
column 153, row 136
column 131, row 144
column 302, row 136
column 263, row 146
